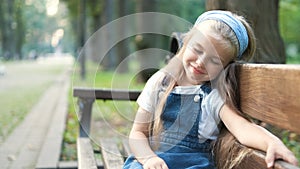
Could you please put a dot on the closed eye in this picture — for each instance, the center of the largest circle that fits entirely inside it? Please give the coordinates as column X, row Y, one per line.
column 216, row 60
column 198, row 51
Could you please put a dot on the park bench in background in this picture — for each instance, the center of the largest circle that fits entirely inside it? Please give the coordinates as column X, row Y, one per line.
column 269, row 93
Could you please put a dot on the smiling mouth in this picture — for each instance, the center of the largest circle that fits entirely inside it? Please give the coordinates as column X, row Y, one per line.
column 198, row 71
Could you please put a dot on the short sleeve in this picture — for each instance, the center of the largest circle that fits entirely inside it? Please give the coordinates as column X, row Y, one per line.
column 215, row 103
column 148, row 99
column 210, row 119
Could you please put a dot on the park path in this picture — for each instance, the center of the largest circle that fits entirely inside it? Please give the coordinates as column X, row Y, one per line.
column 21, row 149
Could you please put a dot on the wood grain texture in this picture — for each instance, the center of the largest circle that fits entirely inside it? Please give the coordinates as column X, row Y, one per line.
column 256, row 159
column 85, row 154
column 111, row 155
column 271, row 93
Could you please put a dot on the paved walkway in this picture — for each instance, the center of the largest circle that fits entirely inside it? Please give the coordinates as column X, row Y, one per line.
column 21, row 149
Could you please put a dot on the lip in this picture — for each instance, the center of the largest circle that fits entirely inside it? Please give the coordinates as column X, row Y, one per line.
column 198, row 71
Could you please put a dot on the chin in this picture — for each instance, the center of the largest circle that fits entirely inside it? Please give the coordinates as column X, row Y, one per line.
column 197, row 81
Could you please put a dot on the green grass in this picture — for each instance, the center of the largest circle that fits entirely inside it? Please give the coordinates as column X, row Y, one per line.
column 16, row 106
column 97, row 78
column 69, row 150
column 18, row 98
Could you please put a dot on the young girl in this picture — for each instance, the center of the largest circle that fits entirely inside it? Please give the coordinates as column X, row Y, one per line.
column 182, row 105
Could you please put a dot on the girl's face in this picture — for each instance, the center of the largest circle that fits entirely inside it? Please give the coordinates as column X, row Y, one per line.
column 205, row 56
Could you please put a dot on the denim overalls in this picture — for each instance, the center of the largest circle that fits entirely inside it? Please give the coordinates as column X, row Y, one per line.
column 179, row 144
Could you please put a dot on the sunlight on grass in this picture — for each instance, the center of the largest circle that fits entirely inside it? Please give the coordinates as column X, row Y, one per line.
column 14, row 109
column 20, row 89
column 97, row 78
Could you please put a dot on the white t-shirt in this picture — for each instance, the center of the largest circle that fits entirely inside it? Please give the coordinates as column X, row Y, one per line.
column 211, row 104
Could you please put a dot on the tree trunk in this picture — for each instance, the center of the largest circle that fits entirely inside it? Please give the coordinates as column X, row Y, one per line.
column 263, row 16
column 20, row 29
column 81, row 38
column 147, row 62
column 93, row 46
column 2, row 27
column 109, row 60
column 123, row 46
column 7, row 28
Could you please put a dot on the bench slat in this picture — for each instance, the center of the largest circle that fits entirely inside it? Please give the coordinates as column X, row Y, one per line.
column 126, row 148
column 257, row 160
column 271, row 93
column 85, row 154
column 111, row 155
column 106, row 94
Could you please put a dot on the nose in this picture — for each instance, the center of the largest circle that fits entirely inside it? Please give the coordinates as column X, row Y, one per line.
column 201, row 61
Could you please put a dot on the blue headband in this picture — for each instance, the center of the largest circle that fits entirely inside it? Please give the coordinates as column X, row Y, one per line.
column 236, row 25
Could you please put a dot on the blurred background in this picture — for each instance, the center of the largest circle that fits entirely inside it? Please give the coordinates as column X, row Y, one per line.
column 34, row 28
column 41, row 39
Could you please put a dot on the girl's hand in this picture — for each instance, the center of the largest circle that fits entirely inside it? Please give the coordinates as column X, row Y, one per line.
column 154, row 162
column 277, row 150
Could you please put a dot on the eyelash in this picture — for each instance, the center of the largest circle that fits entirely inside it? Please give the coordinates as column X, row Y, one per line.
column 212, row 60
column 215, row 61
column 198, row 51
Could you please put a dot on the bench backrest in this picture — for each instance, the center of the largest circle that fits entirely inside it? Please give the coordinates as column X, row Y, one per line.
column 271, row 93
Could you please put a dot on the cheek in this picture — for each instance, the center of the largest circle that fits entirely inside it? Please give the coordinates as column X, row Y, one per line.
column 213, row 71
column 189, row 56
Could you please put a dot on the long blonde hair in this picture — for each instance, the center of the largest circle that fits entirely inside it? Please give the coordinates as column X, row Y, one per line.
column 228, row 86
column 226, row 83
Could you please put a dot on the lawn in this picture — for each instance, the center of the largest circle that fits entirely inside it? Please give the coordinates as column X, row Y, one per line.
column 20, row 88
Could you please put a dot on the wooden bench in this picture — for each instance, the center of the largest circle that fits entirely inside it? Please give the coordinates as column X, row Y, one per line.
column 269, row 93
column 111, row 155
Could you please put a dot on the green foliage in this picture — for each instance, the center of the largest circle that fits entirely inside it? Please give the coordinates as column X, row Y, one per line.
column 292, row 141
column 40, row 27
column 69, row 149
column 289, row 15
column 188, row 10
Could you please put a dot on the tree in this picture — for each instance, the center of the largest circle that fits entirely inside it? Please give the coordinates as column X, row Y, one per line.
column 109, row 61
column 81, row 37
column 263, row 16
column 20, row 28
column 145, row 41
column 7, row 28
column 123, row 46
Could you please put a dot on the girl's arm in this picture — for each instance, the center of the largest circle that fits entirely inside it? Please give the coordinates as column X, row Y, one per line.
column 252, row 135
column 139, row 144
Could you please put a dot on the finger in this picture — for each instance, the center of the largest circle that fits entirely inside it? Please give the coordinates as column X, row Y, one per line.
column 291, row 159
column 270, row 157
column 164, row 166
